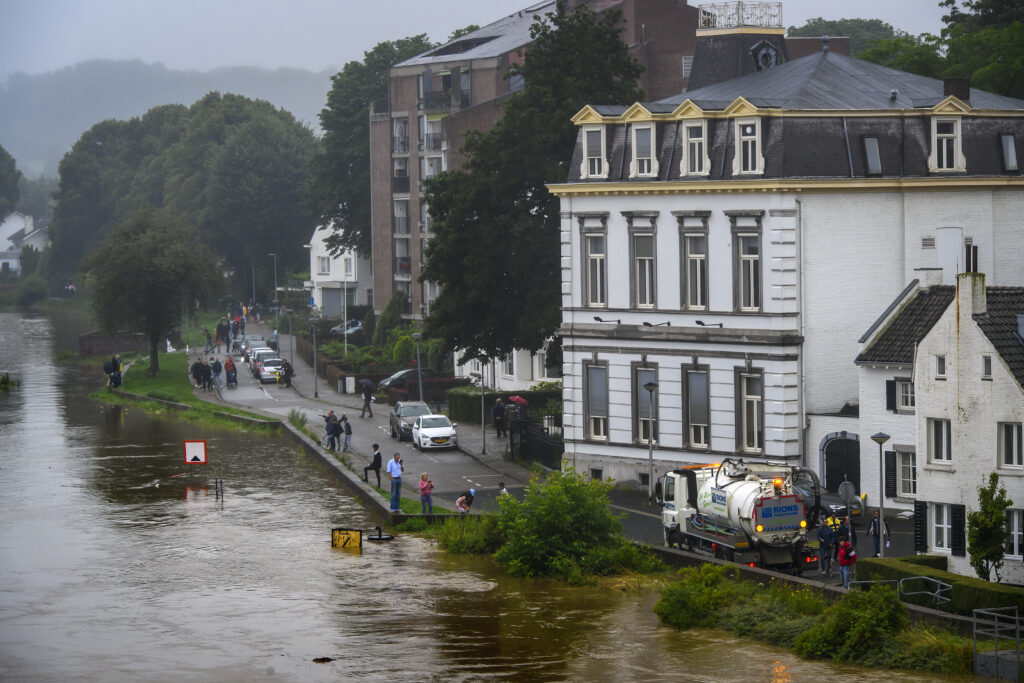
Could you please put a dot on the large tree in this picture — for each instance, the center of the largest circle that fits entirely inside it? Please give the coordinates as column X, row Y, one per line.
column 495, row 252
column 861, row 32
column 144, row 274
column 338, row 192
column 9, row 177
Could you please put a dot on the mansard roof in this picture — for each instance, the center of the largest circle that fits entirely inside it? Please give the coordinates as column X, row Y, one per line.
column 908, row 327
column 828, row 80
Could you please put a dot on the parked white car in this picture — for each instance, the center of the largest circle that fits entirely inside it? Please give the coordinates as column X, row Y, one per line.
column 434, row 431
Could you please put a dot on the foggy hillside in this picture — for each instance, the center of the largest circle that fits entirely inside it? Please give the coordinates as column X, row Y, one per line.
column 41, row 116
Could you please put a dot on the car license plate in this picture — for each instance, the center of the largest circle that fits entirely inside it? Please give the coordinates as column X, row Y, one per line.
column 445, row 440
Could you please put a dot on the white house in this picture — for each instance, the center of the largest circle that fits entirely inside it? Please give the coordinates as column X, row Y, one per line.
column 728, row 247
column 337, row 282
column 517, row 371
column 18, row 231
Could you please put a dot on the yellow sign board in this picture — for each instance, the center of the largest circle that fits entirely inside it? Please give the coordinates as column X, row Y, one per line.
column 351, row 539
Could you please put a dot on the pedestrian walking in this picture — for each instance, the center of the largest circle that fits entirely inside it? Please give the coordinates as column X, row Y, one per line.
column 209, row 341
column 197, row 373
column 230, row 371
column 876, row 536
column 847, row 529
column 426, row 501
column 346, row 428
column 825, row 541
column 465, row 501
column 395, row 469
column 847, row 560
column 498, row 416
column 374, row 465
column 207, row 376
column 216, row 368
column 502, row 491
column 330, row 425
column 367, row 398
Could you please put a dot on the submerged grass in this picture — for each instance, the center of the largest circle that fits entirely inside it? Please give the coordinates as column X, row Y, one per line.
column 868, row 628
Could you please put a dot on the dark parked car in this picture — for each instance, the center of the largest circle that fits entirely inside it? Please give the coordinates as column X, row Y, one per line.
column 403, row 378
column 830, row 503
column 352, row 327
column 403, row 415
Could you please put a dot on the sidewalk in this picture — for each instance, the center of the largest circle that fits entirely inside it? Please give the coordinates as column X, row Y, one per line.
column 452, row 472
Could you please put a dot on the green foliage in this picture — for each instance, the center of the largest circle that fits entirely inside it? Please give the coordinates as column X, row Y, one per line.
column 464, row 402
column 390, row 319
column 297, row 418
column 9, row 179
column 470, row 534
column 917, row 55
column 143, row 276
column 436, row 354
column 860, row 626
column 31, row 290
column 339, row 185
column 861, row 32
column 37, row 196
column 459, row 32
column 697, row 599
column 29, row 260
column 404, row 350
column 933, row 561
column 987, row 530
column 564, row 527
column 555, row 385
column 414, row 524
column 926, row 648
column 496, row 295
column 369, row 324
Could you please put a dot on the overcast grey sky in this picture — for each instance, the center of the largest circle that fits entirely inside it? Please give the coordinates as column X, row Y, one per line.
column 44, row 35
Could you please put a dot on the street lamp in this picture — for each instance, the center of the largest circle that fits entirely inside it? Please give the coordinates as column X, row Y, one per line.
column 704, row 324
column 650, row 387
column 277, row 312
column 291, row 338
column 483, row 422
column 419, row 372
column 312, row 328
column 880, row 438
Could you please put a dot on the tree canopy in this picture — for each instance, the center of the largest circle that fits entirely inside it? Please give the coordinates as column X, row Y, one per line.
column 9, row 177
column 861, row 32
column 230, row 166
column 495, row 253
column 983, row 41
column 986, row 529
column 144, row 274
column 338, row 191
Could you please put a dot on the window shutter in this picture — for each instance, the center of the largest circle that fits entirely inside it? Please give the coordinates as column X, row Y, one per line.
column 890, row 395
column 920, row 526
column 890, row 474
column 958, row 517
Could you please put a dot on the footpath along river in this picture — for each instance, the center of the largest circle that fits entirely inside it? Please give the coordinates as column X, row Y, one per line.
column 116, row 569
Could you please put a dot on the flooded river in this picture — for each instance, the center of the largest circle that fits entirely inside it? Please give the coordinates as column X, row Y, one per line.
column 117, row 565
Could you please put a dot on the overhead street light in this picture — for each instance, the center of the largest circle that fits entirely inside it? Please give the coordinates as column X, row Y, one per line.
column 880, row 438
column 704, row 324
column 666, row 324
column 602, row 320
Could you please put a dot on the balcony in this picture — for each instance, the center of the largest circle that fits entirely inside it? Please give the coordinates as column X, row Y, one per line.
column 401, row 225
column 403, row 267
column 433, row 141
column 445, row 100
column 400, row 184
column 400, row 144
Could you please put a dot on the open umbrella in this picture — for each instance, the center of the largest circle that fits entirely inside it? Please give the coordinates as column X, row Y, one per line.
column 366, row 383
column 519, row 400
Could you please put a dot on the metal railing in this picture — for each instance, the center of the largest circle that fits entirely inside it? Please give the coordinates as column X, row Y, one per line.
column 1002, row 625
column 741, row 13
column 400, row 144
column 433, row 141
column 939, row 593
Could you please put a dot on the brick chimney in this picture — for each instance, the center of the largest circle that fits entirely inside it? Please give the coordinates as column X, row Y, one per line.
column 970, row 293
column 959, row 87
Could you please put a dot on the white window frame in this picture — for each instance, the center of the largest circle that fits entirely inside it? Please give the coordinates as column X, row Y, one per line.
column 643, row 272
column 595, row 267
column 644, row 167
column 508, row 365
column 939, row 440
column 942, row 527
column 702, row 167
column 751, row 404
column 696, row 296
column 906, row 461
column 905, row 398
column 1008, row 436
column 1014, row 545
column 348, row 267
column 595, row 167
column 949, row 165
column 940, row 366
column 750, row 289
column 324, row 265
column 754, row 141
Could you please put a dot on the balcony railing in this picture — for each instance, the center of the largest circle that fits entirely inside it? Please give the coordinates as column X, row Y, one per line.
column 741, row 13
column 401, row 224
column 400, row 144
column 445, row 100
column 433, row 141
column 400, row 184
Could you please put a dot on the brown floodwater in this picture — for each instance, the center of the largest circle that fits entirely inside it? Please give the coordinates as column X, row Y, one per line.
column 118, row 565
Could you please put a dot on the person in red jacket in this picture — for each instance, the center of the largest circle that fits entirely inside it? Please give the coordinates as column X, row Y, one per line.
column 847, row 559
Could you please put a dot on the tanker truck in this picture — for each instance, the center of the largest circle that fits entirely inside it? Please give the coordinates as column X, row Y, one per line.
column 746, row 512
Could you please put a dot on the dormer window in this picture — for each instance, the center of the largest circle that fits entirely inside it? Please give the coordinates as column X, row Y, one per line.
column 947, row 153
column 748, row 147
column 695, row 150
column 644, row 164
column 595, row 164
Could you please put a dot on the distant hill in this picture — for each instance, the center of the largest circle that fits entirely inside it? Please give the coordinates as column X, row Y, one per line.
column 41, row 116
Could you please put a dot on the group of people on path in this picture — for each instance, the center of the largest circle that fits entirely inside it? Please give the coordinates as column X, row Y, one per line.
column 837, row 541
column 206, row 373
column 502, row 413
column 336, row 429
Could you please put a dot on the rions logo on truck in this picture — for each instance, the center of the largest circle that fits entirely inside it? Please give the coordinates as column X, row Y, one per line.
column 779, row 514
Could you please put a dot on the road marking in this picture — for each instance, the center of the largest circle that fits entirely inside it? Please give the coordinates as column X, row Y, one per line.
column 634, row 511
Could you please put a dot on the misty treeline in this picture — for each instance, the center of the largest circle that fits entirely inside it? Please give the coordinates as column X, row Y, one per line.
column 232, row 167
column 41, row 115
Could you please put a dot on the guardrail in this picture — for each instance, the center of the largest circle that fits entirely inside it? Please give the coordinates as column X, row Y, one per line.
column 1002, row 625
column 939, row 593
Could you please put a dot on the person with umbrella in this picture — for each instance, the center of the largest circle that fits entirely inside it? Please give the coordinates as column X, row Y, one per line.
column 498, row 413
column 367, row 397
column 520, row 403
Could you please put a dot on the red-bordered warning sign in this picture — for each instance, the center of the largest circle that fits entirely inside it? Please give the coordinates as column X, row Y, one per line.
column 195, row 452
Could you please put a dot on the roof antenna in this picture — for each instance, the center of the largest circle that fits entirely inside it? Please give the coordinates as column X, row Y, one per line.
column 824, row 43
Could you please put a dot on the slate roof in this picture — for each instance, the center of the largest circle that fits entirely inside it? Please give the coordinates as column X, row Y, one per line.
column 1000, row 326
column 908, row 327
column 502, row 36
column 829, row 80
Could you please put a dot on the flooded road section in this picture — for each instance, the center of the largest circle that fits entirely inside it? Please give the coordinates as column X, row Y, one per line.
column 115, row 567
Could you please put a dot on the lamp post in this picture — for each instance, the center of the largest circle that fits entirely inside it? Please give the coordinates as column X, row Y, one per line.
column 277, row 311
column 650, row 387
column 312, row 327
column 419, row 373
column 291, row 338
column 344, row 307
column 483, row 423
column 880, row 438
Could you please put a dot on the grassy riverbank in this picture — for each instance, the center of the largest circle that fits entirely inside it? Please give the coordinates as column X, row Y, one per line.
column 172, row 383
column 868, row 628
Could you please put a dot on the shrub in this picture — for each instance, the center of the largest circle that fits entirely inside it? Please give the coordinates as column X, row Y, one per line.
column 470, row 534
column 31, row 290
column 930, row 649
column 297, row 418
column 855, row 628
column 969, row 593
column 697, row 599
column 404, row 351
column 934, row 561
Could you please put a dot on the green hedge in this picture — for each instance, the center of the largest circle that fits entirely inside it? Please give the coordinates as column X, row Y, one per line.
column 933, row 561
column 969, row 593
column 464, row 402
